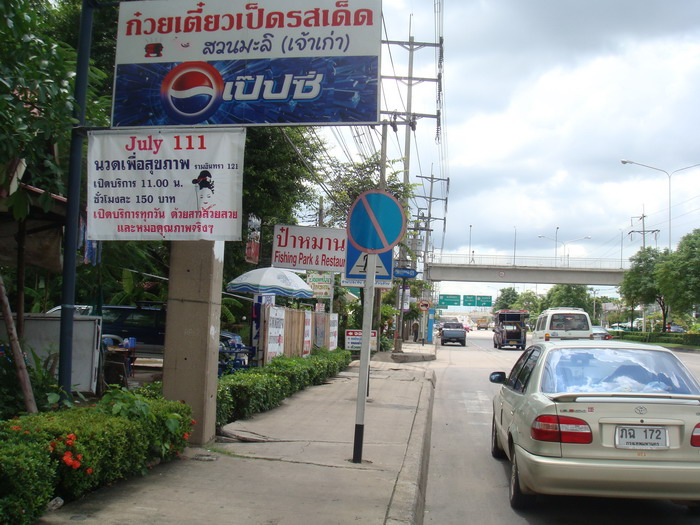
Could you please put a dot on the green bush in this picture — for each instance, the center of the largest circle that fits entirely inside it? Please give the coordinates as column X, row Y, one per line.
column 248, row 392
column 26, row 481
column 84, row 448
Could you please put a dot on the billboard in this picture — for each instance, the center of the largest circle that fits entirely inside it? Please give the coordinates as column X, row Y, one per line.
column 165, row 185
column 233, row 63
column 308, row 248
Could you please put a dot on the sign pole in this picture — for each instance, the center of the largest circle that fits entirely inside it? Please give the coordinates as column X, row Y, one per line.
column 363, row 380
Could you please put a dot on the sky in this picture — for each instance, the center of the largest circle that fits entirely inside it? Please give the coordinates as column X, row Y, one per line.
column 542, row 100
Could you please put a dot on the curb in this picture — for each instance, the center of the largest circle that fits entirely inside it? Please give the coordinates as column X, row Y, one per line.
column 408, row 499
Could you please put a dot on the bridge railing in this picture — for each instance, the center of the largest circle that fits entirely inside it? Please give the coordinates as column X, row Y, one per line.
column 533, row 262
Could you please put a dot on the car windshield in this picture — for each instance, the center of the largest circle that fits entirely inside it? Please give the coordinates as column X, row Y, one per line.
column 600, row 370
column 569, row 322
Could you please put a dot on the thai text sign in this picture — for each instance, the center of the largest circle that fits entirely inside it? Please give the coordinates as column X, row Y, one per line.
column 309, row 248
column 274, row 336
column 165, row 185
column 353, row 340
column 267, row 62
column 321, row 284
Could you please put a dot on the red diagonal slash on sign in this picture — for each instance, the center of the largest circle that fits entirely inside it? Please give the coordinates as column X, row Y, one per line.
column 374, row 220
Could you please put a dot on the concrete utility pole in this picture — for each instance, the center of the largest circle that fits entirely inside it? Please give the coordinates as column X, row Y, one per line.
column 409, row 118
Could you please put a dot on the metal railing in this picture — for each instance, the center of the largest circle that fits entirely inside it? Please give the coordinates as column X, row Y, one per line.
column 532, row 262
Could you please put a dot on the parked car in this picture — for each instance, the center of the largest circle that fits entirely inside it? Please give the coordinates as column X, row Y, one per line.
column 676, row 329
column 145, row 322
column 598, row 418
column 598, row 332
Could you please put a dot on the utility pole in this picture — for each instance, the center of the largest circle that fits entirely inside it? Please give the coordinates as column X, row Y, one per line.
column 409, row 118
column 643, row 231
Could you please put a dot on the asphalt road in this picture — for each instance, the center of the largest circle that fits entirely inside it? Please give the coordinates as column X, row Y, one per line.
column 466, row 486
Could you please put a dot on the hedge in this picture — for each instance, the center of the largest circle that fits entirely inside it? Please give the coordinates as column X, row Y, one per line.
column 74, row 451
column 689, row 339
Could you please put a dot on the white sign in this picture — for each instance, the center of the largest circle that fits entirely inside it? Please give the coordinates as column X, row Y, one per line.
column 308, row 337
column 183, row 184
column 309, row 248
column 185, row 31
column 353, row 340
column 223, row 63
column 275, row 333
column 333, row 332
column 321, row 284
column 360, row 283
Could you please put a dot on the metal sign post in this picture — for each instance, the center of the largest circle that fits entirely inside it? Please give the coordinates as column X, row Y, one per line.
column 376, row 223
column 363, row 382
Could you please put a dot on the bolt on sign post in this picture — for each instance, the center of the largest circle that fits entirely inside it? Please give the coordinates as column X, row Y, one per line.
column 376, row 223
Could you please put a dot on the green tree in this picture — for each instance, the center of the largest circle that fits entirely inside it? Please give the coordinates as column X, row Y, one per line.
column 506, row 299
column 530, row 301
column 679, row 275
column 640, row 284
column 568, row 295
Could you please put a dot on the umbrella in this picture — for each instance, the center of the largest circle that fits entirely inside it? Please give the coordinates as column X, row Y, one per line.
column 270, row 281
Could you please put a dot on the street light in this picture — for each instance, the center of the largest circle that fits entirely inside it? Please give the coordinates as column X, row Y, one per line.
column 669, row 188
column 563, row 243
column 556, row 243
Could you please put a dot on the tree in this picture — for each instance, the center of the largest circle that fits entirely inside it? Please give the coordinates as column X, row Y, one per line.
column 568, row 295
column 506, row 299
column 678, row 276
column 530, row 301
column 640, row 284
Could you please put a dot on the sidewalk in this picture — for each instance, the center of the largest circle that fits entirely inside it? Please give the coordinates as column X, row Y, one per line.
column 292, row 465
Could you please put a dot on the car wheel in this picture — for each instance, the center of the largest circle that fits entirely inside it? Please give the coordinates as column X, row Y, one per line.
column 496, row 449
column 518, row 500
column 464, row 343
column 495, row 345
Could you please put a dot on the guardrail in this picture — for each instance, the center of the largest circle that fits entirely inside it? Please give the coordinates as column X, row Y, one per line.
column 532, row 262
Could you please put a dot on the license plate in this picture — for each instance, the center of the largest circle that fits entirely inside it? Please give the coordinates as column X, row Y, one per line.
column 641, row 437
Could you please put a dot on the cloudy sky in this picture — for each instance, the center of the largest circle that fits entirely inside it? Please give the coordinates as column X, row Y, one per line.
column 543, row 98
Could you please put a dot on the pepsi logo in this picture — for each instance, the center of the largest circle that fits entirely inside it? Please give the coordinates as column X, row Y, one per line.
column 191, row 92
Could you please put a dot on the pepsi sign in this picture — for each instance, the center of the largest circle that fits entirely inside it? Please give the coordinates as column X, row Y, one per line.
column 191, row 92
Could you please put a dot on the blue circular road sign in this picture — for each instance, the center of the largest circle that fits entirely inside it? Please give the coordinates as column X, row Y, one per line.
column 376, row 222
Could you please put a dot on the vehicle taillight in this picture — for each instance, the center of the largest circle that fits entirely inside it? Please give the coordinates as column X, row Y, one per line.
column 565, row 429
column 546, row 337
column 695, row 436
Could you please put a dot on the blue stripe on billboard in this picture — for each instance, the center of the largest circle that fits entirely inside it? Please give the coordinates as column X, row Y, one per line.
column 310, row 90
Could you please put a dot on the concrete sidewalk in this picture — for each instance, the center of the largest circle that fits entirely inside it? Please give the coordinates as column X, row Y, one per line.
column 292, row 465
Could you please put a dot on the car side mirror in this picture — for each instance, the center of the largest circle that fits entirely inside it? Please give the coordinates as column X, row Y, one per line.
column 497, row 377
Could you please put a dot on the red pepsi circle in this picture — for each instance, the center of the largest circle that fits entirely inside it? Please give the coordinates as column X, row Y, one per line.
column 191, row 92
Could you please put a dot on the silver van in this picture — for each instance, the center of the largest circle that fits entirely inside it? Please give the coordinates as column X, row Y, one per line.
column 562, row 324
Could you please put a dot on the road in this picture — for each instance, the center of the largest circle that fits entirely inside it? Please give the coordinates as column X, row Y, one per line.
column 466, row 486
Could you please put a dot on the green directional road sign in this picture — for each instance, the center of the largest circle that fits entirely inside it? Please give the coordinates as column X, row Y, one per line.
column 448, row 300
column 469, row 300
column 484, row 300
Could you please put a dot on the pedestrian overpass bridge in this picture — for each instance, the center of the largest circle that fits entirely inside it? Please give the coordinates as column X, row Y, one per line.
column 523, row 269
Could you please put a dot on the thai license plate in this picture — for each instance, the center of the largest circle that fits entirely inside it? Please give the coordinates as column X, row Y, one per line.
column 641, row 437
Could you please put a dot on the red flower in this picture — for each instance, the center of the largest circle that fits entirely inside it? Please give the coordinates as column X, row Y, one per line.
column 71, row 436
column 68, row 454
column 80, row 457
column 76, row 465
column 15, row 427
column 193, row 422
column 70, row 442
column 89, row 471
column 186, row 435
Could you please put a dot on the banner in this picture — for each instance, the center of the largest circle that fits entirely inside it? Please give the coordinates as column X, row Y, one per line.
column 275, row 333
column 235, row 63
column 165, row 185
column 309, row 248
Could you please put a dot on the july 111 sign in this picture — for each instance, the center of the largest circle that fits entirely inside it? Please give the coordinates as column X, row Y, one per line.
column 165, row 184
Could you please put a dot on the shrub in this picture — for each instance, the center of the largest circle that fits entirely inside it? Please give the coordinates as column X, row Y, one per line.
column 84, row 448
column 26, row 481
column 248, row 392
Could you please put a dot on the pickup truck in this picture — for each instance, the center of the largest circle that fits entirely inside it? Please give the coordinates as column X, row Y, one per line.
column 510, row 329
column 453, row 333
column 482, row 323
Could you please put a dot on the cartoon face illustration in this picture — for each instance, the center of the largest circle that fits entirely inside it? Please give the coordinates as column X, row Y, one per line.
column 204, row 186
